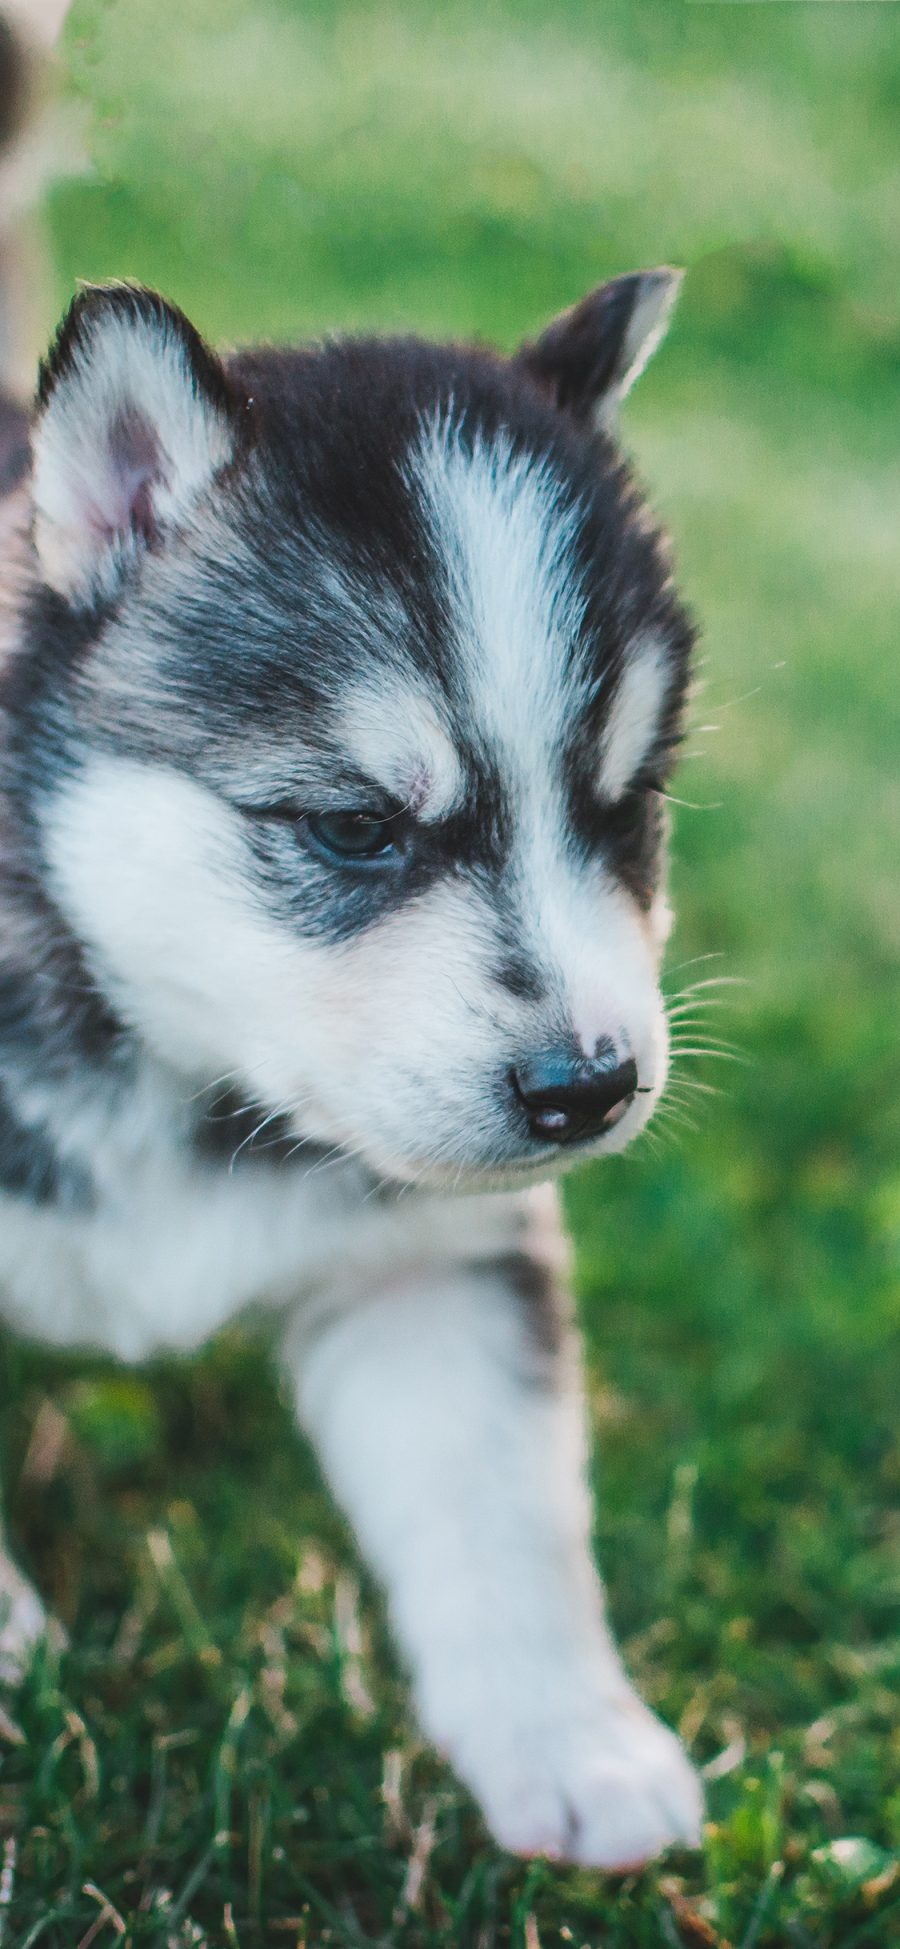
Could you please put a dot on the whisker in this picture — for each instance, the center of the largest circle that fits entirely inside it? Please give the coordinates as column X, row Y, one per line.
column 713, row 1055
column 710, row 981
column 218, row 1082
column 694, row 1011
column 681, row 1085
column 744, row 698
column 692, row 805
column 658, row 1135
column 680, row 1004
column 338, row 1154
column 686, row 1032
column 479, row 1008
column 716, row 954
column 674, row 1117
column 281, row 1110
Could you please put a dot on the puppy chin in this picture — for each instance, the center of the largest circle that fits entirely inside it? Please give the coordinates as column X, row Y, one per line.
column 461, row 1175
column 464, row 1178
column 452, row 1166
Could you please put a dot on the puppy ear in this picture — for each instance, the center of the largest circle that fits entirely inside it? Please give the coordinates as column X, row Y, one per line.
column 133, row 421
column 590, row 357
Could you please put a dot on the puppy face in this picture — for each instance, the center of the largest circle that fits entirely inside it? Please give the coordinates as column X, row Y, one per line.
column 364, row 677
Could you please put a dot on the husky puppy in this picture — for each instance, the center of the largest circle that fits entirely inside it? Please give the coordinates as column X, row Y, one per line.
column 339, row 692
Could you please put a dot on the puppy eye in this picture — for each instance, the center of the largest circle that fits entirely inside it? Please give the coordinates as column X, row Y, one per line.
column 355, row 835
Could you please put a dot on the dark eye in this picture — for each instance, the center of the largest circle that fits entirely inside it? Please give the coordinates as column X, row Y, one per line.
column 356, row 835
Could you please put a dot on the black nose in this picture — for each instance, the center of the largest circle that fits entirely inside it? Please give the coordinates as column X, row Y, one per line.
column 568, row 1099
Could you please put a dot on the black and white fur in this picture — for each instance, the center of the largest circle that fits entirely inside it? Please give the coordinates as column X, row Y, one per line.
column 250, row 595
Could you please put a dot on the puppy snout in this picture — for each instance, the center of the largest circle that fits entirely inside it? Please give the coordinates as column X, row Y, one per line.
column 568, row 1099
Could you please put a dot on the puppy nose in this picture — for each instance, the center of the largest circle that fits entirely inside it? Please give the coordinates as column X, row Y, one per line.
column 568, row 1099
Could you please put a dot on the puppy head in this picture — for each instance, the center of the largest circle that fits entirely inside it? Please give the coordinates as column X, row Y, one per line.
column 364, row 678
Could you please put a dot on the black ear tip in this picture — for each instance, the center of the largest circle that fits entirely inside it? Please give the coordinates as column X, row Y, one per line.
column 87, row 309
column 141, row 309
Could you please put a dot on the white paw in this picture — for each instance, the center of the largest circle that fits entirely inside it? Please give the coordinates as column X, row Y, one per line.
column 23, row 1622
column 601, row 1782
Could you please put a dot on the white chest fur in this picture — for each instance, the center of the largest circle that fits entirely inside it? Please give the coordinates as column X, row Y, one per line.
column 174, row 1245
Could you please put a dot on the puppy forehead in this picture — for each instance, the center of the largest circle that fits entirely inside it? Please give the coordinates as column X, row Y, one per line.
column 448, row 605
column 503, row 531
column 519, row 669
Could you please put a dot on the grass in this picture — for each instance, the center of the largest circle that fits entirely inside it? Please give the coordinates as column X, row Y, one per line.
column 223, row 1756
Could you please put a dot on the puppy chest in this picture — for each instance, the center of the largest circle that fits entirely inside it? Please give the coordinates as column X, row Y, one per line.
column 163, row 1262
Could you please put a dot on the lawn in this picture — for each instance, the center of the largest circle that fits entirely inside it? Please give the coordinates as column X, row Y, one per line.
column 223, row 1756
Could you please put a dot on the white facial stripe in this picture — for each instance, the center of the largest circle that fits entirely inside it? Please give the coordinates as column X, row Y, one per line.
column 505, row 539
column 516, row 610
column 395, row 735
column 634, row 719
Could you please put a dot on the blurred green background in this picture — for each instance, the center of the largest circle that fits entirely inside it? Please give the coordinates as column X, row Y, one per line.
column 209, row 1755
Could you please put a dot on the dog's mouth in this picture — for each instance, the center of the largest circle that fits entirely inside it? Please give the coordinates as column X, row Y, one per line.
column 508, row 1169
column 537, row 1130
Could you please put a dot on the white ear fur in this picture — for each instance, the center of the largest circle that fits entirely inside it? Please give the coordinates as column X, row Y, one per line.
column 133, row 423
column 647, row 326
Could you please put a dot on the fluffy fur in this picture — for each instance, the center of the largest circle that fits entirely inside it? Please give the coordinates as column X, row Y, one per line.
column 412, row 590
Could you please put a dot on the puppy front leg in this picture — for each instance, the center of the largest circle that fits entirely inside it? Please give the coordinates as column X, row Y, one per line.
column 453, row 1433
